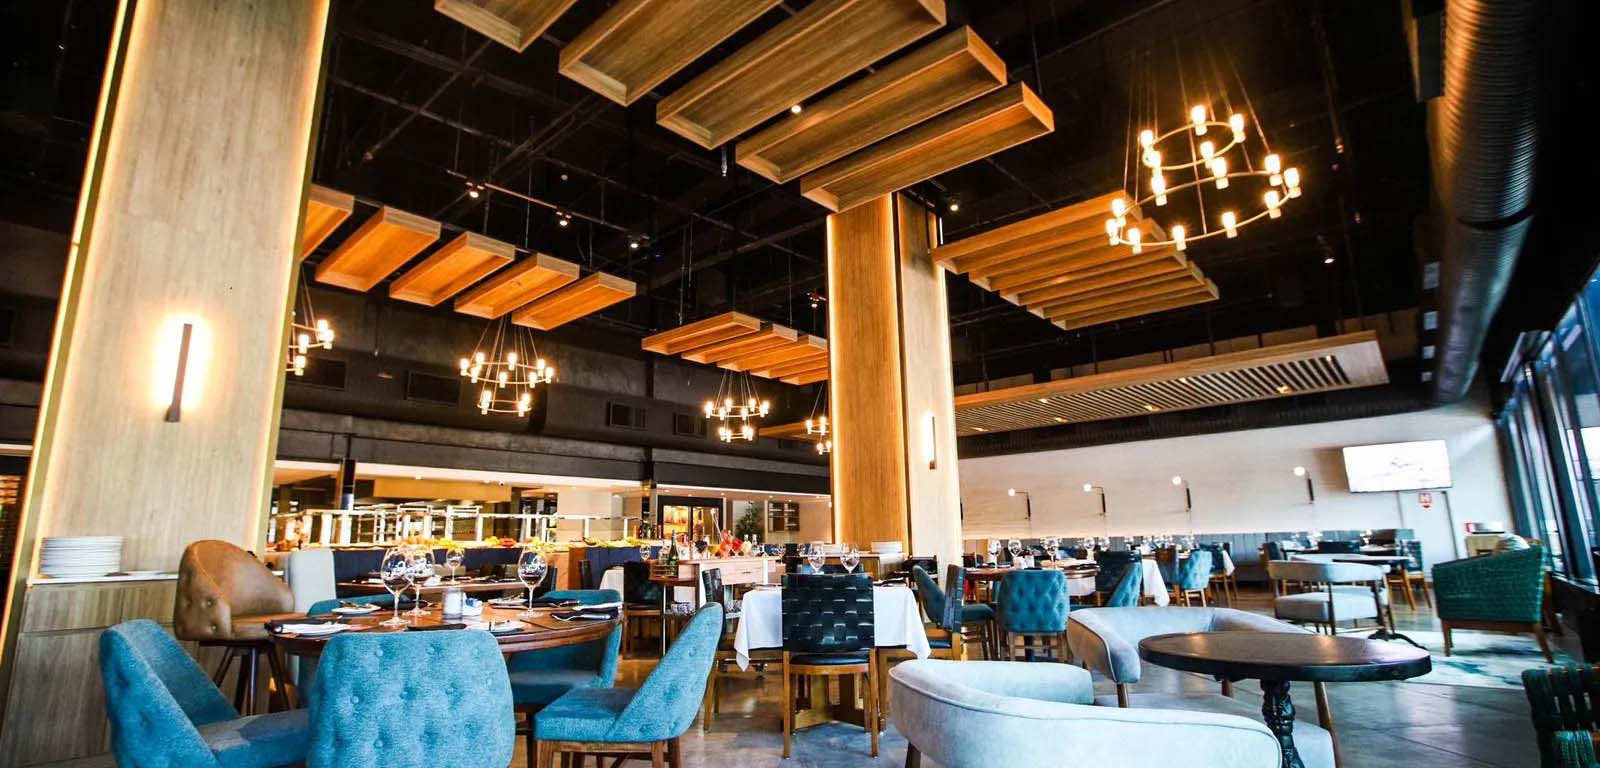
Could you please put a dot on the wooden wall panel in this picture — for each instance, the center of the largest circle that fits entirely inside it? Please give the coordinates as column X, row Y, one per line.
column 866, row 392
column 933, row 489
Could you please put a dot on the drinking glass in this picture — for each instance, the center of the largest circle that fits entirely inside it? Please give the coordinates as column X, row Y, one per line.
column 994, row 550
column 644, row 553
column 1014, row 546
column 454, row 556
column 849, row 558
column 816, row 557
column 395, row 571
column 530, row 571
column 421, row 569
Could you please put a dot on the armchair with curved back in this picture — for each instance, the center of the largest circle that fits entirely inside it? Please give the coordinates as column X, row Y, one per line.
column 1336, row 592
column 225, row 598
column 1499, row 593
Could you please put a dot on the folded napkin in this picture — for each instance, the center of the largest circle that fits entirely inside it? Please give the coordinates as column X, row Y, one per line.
column 308, row 627
column 434, row 627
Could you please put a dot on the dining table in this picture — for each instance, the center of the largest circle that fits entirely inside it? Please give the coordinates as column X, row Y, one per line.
column 1278, row 658
column 471, row 586
column 541, row 631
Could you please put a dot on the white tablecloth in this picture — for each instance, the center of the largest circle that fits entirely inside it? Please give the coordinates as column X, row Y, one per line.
column 612, row 579
column 1155, row 587
column 896, row 621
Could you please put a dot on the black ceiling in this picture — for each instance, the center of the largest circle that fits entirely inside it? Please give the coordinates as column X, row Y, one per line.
column 415, row 102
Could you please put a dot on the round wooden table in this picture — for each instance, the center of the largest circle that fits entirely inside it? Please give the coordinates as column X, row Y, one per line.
column 1278, row 658
column 470, row 586
column 544, row 631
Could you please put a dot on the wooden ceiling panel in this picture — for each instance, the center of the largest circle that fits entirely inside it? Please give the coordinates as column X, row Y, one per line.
column 1187, row 280
column 803, row 360
column 512, row 23
column 770, row 337
column 794, row 430
column 575, row 300
column 516, row 286
column 325, row 210
column 636, row 44
column 386, row 240
column 1047, row 230
column 1155, row 268
column 804, row 347
column 700, row 333
column 1319, row 365
column 822, row 44
column 945, row 73
column 1049, row 272
column 1125, row 311
column 982, row 127
column 807, row 377
column 457, row 264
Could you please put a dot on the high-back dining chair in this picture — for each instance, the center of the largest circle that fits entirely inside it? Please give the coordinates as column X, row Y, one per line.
column 1129, row 589
column 411, row 699
column 1194, row 576
column 1033, row 614
column 540, row 677
column 718, row 593
column 1340, row 592
column 1222, row 572
column 974, row 620
column 827, row 632
column 641, row 602
column 163, row 710
column 647, row 721
column 1338, row 547
column 1112, row 563
column 1167, row 563
column 225, row 597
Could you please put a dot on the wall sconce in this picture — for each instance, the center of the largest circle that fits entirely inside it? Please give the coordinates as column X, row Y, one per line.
column 930, row 442
column 181, row 359
column 1027, row 500
column 1105, row 521
column 1311, row 492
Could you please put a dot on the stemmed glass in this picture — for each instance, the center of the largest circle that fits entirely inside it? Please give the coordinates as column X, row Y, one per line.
column 454, row 556
column 420, row 566
column 816, row 556
column 994, row 551
column 395, row 571
column 1014, row 546
column 849, row 558
column 530, row 571
column 1052, row 548
column 644, row 553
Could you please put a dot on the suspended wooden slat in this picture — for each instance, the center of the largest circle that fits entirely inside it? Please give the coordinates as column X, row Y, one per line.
column 771, row 336
column 456, row 265
column 386, row 240
column 1158, row 266
column 516, row 286
column 824, row 43
column 1188, row 280
column 512, row 23
column 578, row 299
column 1035, row 234
column 326, row 209
column 1318, row 365
column 807, row 377
column 1071, row 322
column 800, row 361
column 700, row 333
column 636, row 44
column 1048, row 271
column 947, row 72
column 982, row 127
column 803, row 347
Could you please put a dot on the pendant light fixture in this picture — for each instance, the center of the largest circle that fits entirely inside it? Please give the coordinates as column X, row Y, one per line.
column 306, row 330
column 736, row 406
column 507, row 367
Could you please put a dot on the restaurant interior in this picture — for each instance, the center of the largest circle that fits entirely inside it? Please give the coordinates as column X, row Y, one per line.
column 798, row 382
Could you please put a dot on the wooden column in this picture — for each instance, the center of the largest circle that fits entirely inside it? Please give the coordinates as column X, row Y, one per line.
column 894, row 463
column 189, row 217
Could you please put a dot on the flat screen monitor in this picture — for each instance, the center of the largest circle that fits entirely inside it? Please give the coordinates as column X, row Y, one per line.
column 1397, row 466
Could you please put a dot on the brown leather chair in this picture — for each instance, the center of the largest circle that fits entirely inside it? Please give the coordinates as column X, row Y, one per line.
column 225, row 599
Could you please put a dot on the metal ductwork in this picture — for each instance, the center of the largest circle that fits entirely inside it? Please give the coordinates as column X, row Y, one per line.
column 1483, row 141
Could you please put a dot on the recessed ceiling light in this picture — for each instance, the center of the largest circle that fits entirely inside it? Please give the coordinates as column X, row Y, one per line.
column 980, row 429
column 795, row 110
column 1328, row 260
column 955, row 205
column 416, row 477
column 1059, row 419
column 1044, row 399
column 1284, row 389
column 1151, row 408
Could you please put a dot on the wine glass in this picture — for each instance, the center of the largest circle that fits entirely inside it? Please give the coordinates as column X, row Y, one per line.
column 994, row 550
column 644, row 553
column 816, row 557
column 421, row 569
column 454, row 556
column 1014, row 546
column 395, row 571
column 849, row 558
column 530, row 571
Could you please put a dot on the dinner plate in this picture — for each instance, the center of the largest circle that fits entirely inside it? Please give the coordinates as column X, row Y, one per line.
column 356, row 610
column 507, row 602
column 507, row 627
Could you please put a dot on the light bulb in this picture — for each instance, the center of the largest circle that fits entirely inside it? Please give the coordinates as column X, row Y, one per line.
column 1274, row 165
column 1178, row 479
column 550, row 373
column 322, row 326
column 1219, row 171
column 709, row 408
column 1178, row 233
column 1291, row 179
column 1152, row 158
column 503, row 377
column 1119, row 210
column 1299, row 471
column 1089, row 487
column 538, row 364
column 795, row 110
column 808, row 426
column 1207, row 150
column 479, row 357
column 748, row 431
column 1197, row 115
column 465, row 363
column 511, row 359
column 766, row 405
column 1111, row 230
column 485, row 397
column 1134, row 236
column 299, row 364
column 1158, row 185
column 821, row 449
column 824, row 423
column 302, row 342
column 1230, row 224
column 1236, row 122
column 1272, row 203
column 1147, row 138
column 1011, row 491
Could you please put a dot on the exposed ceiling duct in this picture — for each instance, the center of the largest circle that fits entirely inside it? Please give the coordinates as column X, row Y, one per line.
column 1483, row 139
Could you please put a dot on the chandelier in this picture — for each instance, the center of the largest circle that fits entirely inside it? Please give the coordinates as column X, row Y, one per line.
column 735, row 406
column 818, row 425
column 504, row 369
column 313, row 332
column 1217, row 155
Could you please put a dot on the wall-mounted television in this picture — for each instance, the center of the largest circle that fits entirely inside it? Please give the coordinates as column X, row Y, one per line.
column 1397, row 466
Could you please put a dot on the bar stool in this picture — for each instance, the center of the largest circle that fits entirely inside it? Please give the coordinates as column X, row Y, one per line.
column 225, row 597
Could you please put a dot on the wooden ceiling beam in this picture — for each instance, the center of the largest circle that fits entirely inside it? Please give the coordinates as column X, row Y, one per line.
column 769, row 337
column 516, row 286
column 325, row 210
column 454, row 266
column 514, row 24
column 700, row 333
column 1009, row 286
column 577, row 299
column 1089, row 214
column 386, row 240
column 1156, row 269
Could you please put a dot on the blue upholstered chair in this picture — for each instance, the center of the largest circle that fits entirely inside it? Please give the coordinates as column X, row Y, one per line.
column 1194, row 576
column 649, row 720
column 1500, row 593
column 540, row 677
column 1033, row 614
column 1112, row 563
column 828, row 631
column 977, row 619
column 1167, row 563
column 1129, row 589
column 1338, row 547
column 165, row 712
column 411, row 700
column 974, row 714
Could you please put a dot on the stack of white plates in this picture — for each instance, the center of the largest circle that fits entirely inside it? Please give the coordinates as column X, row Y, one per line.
column 77, row 556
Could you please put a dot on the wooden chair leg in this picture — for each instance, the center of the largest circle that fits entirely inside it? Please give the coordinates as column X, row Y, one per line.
column 658, row 755
column 675, row 752
column 544, row 754
column 788, row 707
column 1325, row 719
column 279, row 682
column 530, row 742
column 1544, row 642
column 1122, row 695
column 913, row 756
column 1444, row 627
column 1227, row 688
column 872, row 697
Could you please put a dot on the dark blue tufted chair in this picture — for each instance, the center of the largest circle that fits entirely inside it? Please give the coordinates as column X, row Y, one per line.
column 540, row 677
column 828, row 631
column 649, row 720
column 1033, row 612
column 1128, row 590
column 165, row 712
column 1338, row 547
column 1112, row 563
column 411, row 699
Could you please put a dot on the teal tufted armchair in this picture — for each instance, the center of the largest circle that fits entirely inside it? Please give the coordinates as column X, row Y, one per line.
column 1500, row 593
column 165, row 712
column 1033, row 613
column 649, row 720
column 411, row 700
column 1129, row 589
